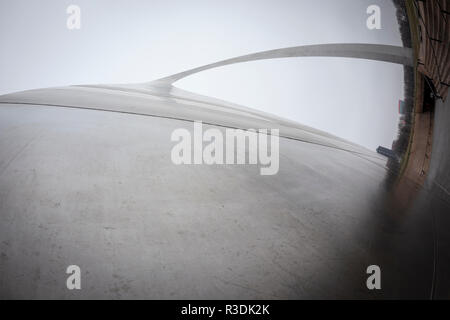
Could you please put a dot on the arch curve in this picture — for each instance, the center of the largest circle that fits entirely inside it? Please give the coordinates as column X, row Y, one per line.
column 378, row 52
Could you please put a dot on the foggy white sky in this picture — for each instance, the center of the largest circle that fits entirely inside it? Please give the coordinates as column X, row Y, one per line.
column 137, row 40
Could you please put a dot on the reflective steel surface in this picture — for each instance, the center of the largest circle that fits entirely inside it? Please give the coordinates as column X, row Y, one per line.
column 97, row 189
column 86, row 178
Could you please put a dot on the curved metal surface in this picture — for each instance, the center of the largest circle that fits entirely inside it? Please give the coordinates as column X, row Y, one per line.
column 378, row 52
column 173, row 103
column 86, row 178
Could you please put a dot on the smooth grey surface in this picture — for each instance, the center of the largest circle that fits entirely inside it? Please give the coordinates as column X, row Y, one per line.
column 98, row 189
column 86, row 179
column 386, row 53
column 170, row 102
